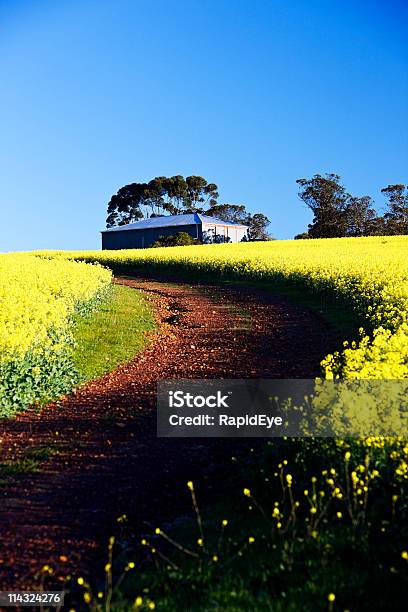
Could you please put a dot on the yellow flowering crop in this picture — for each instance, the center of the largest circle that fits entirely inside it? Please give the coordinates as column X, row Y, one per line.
column 370, row 275
column 37, row 298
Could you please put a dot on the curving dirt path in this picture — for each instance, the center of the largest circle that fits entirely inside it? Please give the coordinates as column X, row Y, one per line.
column 103, row 455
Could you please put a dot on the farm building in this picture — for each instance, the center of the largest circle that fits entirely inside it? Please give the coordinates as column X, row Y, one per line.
column 142, row 234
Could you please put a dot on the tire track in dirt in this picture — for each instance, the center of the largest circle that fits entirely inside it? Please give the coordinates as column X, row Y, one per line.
column 108, row 459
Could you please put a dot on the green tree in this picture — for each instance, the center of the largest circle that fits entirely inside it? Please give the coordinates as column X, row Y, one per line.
column 160, row 196
column 360, row 216
column 125, row 206
column 200, row 193
column 176, row 189
column 179, row 239
column 257, row 227
column 396, row 216
column 378, row 227
column 327, row 199
column 235, row 213
column 177, row 195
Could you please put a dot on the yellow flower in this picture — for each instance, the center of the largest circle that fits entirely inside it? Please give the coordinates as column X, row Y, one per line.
column 215, row 558
column 247, row 492
column 87, row 597
column 190, row 485
column 80, row 581
column 224, row 523
column 138, row 602
column 251, row 539
column 200, row 542
column 331, row 597
column 404, row 555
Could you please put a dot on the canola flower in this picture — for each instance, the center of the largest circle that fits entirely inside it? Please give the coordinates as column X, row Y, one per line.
column 369, row 275
column 37, row 300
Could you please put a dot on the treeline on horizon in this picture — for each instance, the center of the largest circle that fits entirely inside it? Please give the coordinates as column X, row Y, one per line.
column 336, row 213
column 176, row 195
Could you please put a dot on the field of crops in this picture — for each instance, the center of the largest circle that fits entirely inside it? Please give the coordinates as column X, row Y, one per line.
column 340, row 502
column 37, row 299
column 369, row 275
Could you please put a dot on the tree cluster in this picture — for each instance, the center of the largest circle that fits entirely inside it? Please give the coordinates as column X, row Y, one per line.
column 161, row 196
column 336, row 213
column 177, row 195
column 179, row 239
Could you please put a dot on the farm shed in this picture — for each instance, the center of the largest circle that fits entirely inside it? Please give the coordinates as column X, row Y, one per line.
column 142, row 234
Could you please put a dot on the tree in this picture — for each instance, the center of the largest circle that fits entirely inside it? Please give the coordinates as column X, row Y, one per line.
column 327, row 199
column 176, row 189
column 257, row 227
column 177, row 195
column 125, row 206
column 162, row 195
column 153, row 198
column 360, row 216
column 397, row 215
column 235, row 213
column 200, row 194
column 378, row 227
column 179, row 239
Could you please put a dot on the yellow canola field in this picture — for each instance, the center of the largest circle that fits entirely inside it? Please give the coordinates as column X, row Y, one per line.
column 368, row 274
column 37, row 297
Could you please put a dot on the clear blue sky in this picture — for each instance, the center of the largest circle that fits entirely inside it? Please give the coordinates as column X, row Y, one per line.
column 250, row 94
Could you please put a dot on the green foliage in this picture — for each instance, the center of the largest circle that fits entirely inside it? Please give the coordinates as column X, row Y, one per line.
column 38, row 377
column 257, row 227
column 113, row 334
column 179, row 239
column 38, row 297
column 396, row 217
column 41, row 376
column 178, row 195
column 302, row 524
column 338, row 214
column 161, row 195
column 327, row 199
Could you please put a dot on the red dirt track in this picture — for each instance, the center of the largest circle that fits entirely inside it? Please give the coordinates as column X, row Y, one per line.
column 109, row 460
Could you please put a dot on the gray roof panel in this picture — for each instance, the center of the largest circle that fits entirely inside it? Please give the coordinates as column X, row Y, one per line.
column 171, row 221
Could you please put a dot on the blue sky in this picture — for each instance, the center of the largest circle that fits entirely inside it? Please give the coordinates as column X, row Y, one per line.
column 250, row 94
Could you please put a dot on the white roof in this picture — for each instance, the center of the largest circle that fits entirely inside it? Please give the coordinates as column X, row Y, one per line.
column 172, row 220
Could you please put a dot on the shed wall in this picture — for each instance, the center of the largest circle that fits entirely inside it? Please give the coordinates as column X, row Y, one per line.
column 234, row 234
column 139, row 239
